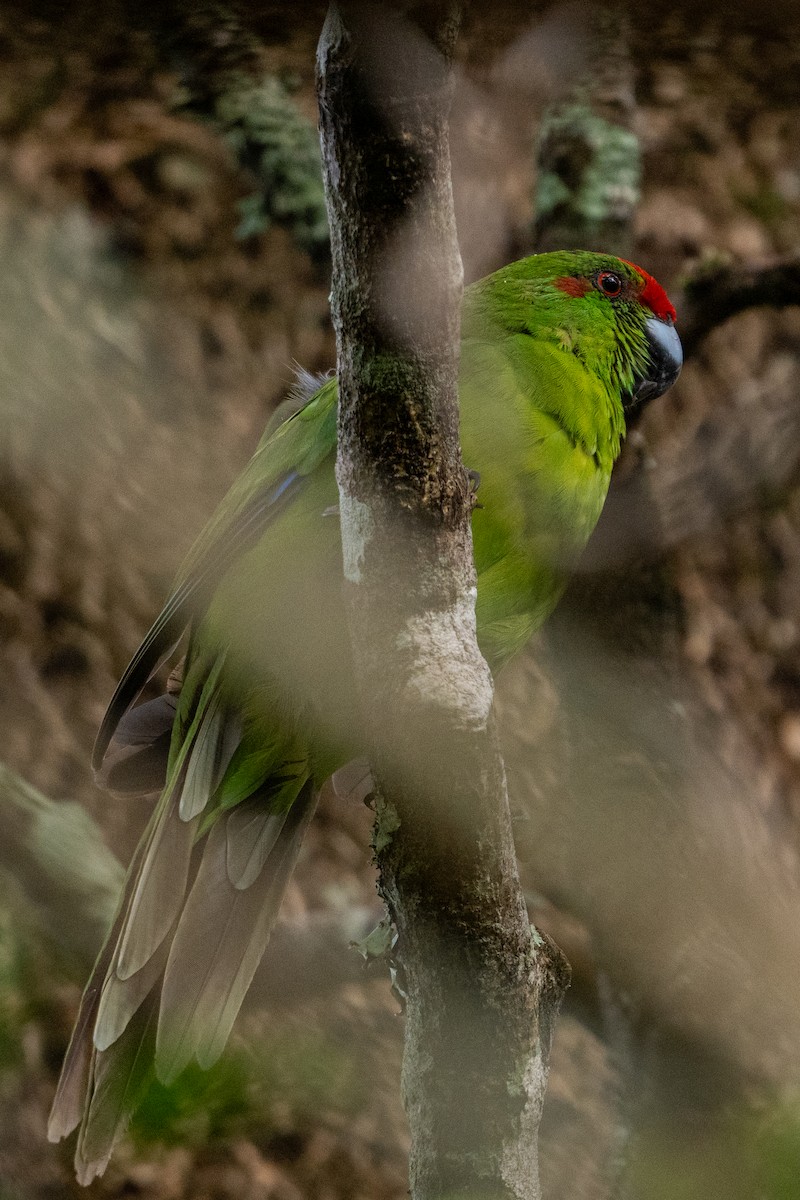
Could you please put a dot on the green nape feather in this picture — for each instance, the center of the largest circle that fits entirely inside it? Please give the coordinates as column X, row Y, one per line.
column 264, row 713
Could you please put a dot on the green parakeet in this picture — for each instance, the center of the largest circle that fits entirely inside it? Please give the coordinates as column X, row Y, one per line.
column 554, row 349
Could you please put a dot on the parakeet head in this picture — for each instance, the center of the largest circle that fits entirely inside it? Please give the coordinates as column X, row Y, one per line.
column 610, row 313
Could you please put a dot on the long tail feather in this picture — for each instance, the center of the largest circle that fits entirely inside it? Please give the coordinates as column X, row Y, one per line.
column 70, row 1097
column 218, row 736
column 251, row 836
column 68, row 1104
column 175, row 968
column 158, row 892
column 120, row 999
column 109, row 1002
column 119, row 1078
column 220, row 941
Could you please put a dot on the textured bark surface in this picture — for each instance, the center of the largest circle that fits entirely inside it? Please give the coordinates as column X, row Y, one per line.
column 480, row 995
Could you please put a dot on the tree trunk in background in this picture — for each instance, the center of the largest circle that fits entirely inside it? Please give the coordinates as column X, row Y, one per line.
column 588, row 162
column 480, row 995
column 221, row 65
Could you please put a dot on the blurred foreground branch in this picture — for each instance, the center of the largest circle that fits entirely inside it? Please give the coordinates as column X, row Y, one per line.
column 481, row 996
column 653, row 830
column 66, row 875
column 56, row 856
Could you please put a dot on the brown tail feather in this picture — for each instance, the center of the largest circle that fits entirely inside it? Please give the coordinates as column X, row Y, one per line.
column 118, row 1079
column 135, row 763
column 68, row 1104
column 221, row 938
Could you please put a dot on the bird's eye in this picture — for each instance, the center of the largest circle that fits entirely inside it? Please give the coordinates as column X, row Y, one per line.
column 609, row 283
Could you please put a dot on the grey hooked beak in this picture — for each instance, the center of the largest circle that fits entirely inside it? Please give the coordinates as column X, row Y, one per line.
column 664, row 361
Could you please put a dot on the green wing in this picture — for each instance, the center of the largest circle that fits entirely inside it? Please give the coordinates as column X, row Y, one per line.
column 274, row 474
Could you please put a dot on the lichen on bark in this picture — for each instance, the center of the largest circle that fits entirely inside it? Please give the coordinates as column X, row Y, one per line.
column 588, row 155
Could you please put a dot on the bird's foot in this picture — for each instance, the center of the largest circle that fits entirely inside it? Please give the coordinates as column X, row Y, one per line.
column 474, row 483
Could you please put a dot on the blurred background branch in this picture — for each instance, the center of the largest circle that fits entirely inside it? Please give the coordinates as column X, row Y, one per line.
column 220, row 60
column 716, row 293
column 55, row 855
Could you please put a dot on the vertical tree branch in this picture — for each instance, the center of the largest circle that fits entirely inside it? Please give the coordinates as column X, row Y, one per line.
column 481, row 995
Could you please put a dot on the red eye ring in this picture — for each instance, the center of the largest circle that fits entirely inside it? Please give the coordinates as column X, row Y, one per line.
column 610, row 284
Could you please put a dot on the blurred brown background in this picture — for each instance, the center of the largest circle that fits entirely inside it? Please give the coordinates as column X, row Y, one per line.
column 163, row 265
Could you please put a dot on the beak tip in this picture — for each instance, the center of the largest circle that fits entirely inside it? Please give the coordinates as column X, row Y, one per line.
column 665, row 359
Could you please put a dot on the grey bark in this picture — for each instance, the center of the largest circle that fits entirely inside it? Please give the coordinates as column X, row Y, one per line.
column 480, row 994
